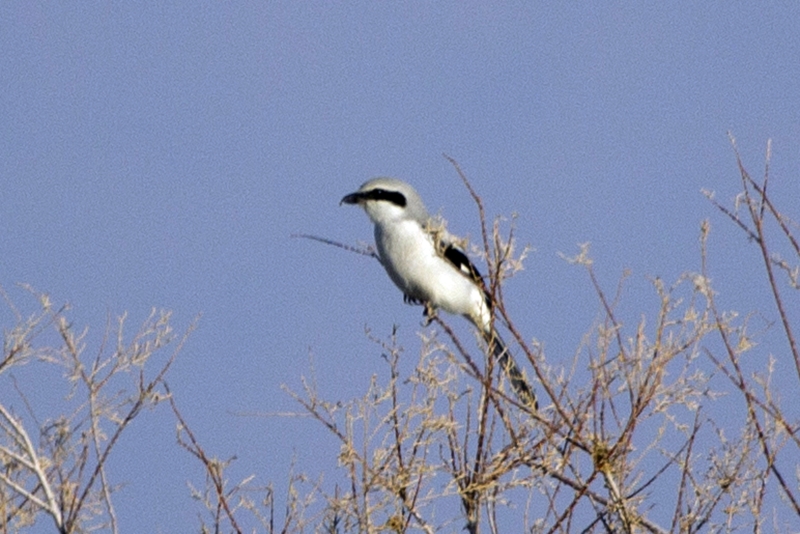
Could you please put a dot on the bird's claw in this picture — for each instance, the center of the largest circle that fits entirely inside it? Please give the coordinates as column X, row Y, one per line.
column 411, row 300
column 429, row 313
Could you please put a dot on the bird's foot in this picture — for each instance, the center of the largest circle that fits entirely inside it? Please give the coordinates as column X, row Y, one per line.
column 429, row 313
column 411, row 300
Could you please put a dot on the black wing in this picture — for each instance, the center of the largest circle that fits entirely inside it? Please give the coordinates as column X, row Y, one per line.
column 461, row 262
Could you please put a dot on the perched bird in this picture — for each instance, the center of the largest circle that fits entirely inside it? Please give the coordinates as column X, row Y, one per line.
column 423, row 260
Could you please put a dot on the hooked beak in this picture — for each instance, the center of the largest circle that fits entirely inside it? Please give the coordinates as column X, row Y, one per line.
column 352, row 198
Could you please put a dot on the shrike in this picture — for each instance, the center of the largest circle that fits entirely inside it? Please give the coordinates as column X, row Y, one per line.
column 423, row 260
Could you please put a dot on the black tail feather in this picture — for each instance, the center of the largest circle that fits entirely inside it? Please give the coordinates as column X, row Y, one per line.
column 519, row 384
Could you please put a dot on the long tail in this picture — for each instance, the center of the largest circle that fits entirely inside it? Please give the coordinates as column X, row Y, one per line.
column 503, row 357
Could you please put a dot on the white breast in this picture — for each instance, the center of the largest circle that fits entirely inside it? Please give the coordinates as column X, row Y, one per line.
column 413, row 264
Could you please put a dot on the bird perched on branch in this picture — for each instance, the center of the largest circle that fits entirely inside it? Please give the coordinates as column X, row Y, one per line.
column 424, row 261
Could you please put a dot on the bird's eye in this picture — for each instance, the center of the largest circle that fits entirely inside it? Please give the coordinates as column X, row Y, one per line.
column 394, row 197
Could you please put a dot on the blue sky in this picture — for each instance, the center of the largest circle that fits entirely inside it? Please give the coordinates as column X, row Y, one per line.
column 156, row 155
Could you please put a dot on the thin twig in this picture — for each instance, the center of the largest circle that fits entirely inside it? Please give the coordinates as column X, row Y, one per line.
column 364, row 252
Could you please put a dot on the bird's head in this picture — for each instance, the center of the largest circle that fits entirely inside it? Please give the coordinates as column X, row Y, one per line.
column 388, row 199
